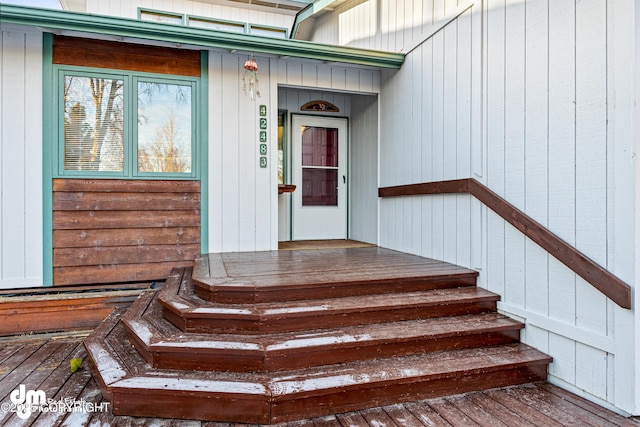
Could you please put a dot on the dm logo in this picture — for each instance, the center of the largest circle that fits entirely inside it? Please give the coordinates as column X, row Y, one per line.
column 26, row 401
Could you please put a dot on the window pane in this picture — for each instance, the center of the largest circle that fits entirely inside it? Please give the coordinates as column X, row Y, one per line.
column 319, row 146
column 319, row 187
column 233, row 27
column 280, row 33
column 93, row 124
column 164, row 127
column 167, row 18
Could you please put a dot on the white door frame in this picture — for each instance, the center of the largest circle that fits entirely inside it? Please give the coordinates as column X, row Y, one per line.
column 319, row 222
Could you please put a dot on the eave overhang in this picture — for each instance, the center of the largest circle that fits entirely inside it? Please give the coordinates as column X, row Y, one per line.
column 53, row 20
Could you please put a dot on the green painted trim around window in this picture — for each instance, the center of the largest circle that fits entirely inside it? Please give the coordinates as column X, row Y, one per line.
column 223, row 22
column 183, row 35
column 130, row 80
column 203, row 147
column 156, row 12
column 48, row 141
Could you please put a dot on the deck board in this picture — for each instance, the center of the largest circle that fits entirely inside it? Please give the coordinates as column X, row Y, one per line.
column 43, row 362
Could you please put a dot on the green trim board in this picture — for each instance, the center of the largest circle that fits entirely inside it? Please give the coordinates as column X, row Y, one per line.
column 203, row 151
column 48, row 141
column 131, row 117
column 183, row 35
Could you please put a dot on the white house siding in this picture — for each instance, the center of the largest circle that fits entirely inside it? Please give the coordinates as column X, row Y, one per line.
column 531, row 97
column 363, row 172
column 20, row 158
column 243, row 199
column 129, row 9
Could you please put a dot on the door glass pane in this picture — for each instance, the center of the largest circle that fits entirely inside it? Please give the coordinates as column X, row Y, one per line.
column 319, row 146
column 164, row 127
column 93, row 124
column 319, row 187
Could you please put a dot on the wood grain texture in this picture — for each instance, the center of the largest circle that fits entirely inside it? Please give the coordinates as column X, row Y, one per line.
column 596, row 275
column 125, row 56
column 108, row 231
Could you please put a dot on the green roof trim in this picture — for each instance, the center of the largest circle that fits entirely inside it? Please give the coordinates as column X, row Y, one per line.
column 51, row 20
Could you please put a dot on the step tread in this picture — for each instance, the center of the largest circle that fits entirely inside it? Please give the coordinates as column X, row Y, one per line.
column 279, row 276
column 183, row 301
column 157, row 333
column 275, row 268
column 450, row 363
column 437, row 364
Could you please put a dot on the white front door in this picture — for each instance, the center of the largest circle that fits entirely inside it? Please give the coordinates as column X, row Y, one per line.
column 319, row 146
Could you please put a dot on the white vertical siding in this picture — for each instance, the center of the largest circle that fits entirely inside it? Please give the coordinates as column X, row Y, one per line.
column 243, row 200
column 549, row 95
column 129, row 9
column 363, row 172
column 20, row 158
column 239, row 191
column 426, row 135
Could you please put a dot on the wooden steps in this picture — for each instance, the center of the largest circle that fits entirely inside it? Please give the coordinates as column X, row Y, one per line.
column 190, row 313
column 273, row 360
column 165, row 346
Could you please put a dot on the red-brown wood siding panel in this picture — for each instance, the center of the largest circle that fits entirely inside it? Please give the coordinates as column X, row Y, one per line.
column 125, row 56
column 107, row 231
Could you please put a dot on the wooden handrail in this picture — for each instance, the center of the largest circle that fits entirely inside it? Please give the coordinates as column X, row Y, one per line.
column 579, row 263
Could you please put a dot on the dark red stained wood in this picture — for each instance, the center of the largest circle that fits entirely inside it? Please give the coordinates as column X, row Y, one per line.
column 70, row 220
column 328, row 421
column 453, row 414
column 476, row 413
column 66, row 257
column 123, row 185
column 169, row 347
column 556, row 407
column 87, row 201
column 303, row 275
column 125, row 56
column 402, row 416
column 596, row 410
column 420, row 410
column 25, row 315
column 109, row 231
column 126, row 237
column 353, row 419
column 499, row 411
column 378, row 417
column 426, row 414
column 115, row 273
column 589, row 270
column 24, row 368
column 537, row 418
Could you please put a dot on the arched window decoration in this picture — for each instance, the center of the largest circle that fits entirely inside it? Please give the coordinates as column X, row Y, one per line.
column 320, row 106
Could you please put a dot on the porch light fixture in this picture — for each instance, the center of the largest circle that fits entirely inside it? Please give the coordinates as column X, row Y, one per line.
column 250, row 78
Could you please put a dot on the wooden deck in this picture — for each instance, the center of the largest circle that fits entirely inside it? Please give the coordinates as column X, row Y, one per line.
column 42, row 362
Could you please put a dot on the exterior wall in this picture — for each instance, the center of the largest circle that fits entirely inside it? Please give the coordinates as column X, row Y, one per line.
column 243, row 199
column 363, row 173
column 20, row 158
column 129, row 9
column 533, row 99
